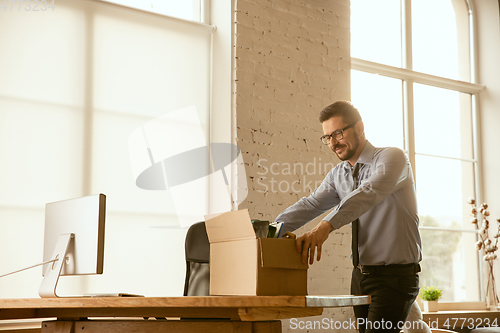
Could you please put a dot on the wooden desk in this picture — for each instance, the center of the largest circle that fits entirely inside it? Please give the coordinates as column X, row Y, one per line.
column 451, row 320
column 213, row 313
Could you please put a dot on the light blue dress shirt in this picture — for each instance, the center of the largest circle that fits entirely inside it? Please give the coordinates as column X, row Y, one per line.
column 384, row 202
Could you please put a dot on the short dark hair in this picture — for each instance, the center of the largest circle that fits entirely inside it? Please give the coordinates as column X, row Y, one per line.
column 344, row 109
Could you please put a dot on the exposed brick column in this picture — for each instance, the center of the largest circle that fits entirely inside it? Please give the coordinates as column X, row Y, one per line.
column 292, row 59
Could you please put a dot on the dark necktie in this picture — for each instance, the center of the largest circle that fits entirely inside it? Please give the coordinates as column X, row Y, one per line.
column 355, row 223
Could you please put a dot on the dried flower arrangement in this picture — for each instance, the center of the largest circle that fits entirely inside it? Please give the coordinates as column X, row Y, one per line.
column 486, row 244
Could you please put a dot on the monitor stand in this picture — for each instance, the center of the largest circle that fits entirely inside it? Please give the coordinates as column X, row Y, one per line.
column 54, row 269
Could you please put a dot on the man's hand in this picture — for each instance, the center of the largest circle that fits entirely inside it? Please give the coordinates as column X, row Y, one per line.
column 313, row 240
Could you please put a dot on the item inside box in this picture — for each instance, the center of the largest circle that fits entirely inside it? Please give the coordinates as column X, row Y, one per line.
column 264, row 229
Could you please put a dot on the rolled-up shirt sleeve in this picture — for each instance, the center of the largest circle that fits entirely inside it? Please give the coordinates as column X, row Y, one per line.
column 324, row 198
column 389, row 172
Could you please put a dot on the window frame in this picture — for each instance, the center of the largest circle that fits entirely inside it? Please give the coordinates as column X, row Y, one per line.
column 409, row 77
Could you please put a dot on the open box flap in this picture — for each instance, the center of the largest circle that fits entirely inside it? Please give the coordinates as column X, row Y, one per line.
column 230, row 226
column 280, row 253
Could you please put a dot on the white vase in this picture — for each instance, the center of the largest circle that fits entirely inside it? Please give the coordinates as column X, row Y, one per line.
column 431, row 306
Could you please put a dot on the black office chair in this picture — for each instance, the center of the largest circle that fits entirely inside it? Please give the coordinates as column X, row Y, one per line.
column 197, row 249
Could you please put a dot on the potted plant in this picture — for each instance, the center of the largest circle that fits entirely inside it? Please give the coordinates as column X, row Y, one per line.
column 430, row 296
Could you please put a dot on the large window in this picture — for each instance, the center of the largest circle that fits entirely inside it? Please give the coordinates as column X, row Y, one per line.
column 75, row 82
column 413, row 84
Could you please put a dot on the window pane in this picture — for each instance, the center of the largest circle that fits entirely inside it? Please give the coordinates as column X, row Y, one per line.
column 379, row 101
column 376, row 31
column 141, row 72
column 443, row 122
column 440, row 37
column 443, row 186
column 450, row 263
column 41, row 107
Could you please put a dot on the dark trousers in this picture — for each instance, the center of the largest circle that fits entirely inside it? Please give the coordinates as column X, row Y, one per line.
column 391, row 300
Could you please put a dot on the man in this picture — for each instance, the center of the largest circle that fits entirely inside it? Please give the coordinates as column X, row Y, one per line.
column 386, row 242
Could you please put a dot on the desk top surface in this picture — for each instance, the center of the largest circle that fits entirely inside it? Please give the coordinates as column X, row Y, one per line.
column 208, row 306
column 184, row 302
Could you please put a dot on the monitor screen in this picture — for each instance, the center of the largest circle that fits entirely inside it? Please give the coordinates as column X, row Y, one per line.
column 84, row 217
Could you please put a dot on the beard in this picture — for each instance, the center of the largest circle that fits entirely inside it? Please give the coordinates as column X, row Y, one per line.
column 348, row 153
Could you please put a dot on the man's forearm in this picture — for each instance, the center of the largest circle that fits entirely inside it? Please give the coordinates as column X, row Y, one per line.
column 297, row 215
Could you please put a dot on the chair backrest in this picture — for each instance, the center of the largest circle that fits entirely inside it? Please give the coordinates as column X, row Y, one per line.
column 197, row 251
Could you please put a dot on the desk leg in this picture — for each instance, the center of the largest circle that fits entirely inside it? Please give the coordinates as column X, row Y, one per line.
column 58, row 326
column 266, row 326
column 154, row 326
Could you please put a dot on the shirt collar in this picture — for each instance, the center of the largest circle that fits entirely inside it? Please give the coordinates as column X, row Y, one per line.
column 367, row 153
column 365, row 157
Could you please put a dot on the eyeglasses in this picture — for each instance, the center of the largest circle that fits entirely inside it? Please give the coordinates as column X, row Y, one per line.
column 337, row 135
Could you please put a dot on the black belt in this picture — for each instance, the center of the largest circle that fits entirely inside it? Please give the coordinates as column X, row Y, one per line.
column 397, row 270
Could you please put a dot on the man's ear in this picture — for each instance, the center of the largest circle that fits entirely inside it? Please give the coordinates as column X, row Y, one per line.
column 359, row 128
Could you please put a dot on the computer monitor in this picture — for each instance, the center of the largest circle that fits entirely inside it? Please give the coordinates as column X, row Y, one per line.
column 74, row 230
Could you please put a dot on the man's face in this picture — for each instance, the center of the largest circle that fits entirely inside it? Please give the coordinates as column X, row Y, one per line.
column 346, row 147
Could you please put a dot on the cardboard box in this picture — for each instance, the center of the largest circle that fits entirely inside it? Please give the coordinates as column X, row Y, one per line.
column 241, row 264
